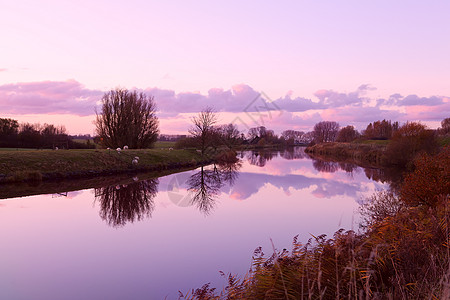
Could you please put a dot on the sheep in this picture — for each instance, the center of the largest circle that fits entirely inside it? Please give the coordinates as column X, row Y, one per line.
column 56, row 148
column 125, row 147
column 135, row 178
column 134, row 161
column 136, row 157
column 170, row 149
column 118, row 150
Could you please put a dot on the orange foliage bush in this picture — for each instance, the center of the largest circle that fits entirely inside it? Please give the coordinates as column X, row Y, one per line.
column 430, row 179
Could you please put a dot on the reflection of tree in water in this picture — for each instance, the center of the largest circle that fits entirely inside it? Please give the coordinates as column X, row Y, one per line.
column 348, row 167
column 127, row 203
column 205, row 185
column 325, row 166
column 293, row 153
column 260, row 158
column 390, row 175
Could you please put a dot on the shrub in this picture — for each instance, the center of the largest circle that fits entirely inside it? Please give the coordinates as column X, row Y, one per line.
column 411, row 139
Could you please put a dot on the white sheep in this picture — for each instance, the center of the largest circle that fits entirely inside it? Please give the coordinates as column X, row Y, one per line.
column 170, row 149
column 134, row 161
column 136, row 157
column 56, row 148
column 125, row 147
column 118, row 150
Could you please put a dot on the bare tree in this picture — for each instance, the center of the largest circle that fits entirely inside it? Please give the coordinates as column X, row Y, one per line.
column 292, row 136
column 326, row 131
column 127, row 118
column 347, row 134
column 203, row 128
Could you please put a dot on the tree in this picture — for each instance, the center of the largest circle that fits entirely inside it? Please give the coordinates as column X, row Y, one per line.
column 9, row 130
column 347, row 134
column 127, row 118
column 445, row 126
column 381, row 130
column 229, row 134
column 292, row 136
column 202, row 129
column 408, row 141
column 325, row 131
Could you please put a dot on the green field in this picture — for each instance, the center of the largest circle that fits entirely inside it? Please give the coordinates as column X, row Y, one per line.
column 164, row 144
column 37, row 164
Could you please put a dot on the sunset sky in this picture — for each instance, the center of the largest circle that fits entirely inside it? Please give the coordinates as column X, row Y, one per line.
column 281, row 64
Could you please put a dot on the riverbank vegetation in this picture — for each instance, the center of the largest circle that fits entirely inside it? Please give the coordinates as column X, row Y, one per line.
column 402, row 251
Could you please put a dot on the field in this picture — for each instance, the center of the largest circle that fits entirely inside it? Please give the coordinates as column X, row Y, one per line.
column 47, row 164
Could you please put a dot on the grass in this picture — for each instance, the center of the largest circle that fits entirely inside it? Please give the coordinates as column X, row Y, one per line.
column 164, row 144
column 371, row 142
column 24, row 165
column 16, row 149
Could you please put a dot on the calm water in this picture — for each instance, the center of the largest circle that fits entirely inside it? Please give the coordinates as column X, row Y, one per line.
column 148, row 239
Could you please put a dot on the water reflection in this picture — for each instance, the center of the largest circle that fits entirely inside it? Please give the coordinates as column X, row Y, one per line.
column 121, row 204
column 260, row 157
column 204, row 186
column 386, row 175
column 293, row 153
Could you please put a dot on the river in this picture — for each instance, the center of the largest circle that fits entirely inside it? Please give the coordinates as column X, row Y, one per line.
column 149, row 239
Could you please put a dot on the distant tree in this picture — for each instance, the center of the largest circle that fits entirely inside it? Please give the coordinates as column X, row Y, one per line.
column 127, row 118
column 381, row 130
column 292, row 136
column 325, row 131
column 347, row 134
column 8, row 127
column 308, row 137
column 30, row 135
column 445, row 126
column 229, row 134
column 408, row 141
column 9, row 130
column 203, row 129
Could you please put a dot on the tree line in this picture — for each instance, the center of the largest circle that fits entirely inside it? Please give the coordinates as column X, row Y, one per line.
column 27, row 135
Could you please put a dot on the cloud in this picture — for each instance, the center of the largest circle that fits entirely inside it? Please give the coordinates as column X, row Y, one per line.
column 365, row 114
column 48, row 97
column 411, row 100
column 330, row 98
column 240, row 101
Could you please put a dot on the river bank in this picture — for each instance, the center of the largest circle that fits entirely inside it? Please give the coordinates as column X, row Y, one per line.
column 43, row 165
column 365, row 155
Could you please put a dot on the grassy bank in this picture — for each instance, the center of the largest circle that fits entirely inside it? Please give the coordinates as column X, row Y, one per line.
column 37, row 165
column 361, row 153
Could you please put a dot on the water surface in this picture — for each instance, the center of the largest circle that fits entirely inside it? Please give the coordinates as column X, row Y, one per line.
column 147, row 239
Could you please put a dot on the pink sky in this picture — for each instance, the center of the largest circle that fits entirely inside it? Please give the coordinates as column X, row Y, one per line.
column 353, row 62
